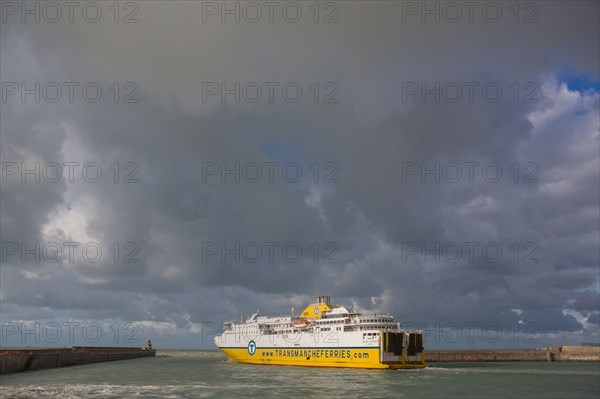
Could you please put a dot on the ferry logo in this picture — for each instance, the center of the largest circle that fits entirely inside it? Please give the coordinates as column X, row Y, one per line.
column 316, row 310
column 251, row 348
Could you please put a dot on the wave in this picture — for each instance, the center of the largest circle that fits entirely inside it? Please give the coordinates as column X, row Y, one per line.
column 502, row 370
column 104, row 391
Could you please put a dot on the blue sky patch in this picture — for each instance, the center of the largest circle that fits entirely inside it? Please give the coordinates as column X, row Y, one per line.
column 284, row 150
column 580, row 83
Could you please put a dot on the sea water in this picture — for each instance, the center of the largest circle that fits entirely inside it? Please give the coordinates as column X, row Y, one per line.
column 207, row 374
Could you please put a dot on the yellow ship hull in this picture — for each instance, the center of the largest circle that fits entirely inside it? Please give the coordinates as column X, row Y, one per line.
column 365, row 358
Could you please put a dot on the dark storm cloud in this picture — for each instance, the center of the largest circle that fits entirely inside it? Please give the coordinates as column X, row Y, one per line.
column 370, row 215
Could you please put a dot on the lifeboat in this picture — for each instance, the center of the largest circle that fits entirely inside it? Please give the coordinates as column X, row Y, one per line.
column 301, row 323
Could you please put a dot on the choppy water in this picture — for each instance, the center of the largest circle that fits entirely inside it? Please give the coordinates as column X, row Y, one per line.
column 205, row 374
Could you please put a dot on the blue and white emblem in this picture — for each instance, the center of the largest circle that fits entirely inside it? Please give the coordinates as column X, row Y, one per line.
column 316, row 310
column 251, row 348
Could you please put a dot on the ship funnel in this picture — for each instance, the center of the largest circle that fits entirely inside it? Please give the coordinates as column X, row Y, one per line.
column 326, row 299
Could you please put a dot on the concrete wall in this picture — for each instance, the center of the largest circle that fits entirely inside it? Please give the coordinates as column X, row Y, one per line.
column 13, row 361
column 578, row 353
column 515, row 355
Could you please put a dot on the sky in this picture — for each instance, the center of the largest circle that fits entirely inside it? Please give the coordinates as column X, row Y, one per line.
column 170, row 165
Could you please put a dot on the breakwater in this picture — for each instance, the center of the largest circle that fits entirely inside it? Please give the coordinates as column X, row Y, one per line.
column 553, row 354
column 17, row 360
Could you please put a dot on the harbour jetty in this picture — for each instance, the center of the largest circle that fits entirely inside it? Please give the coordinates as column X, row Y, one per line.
column 552, row 354
column 29, row 359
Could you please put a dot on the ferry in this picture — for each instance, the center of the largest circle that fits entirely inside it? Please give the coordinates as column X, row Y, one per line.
column 323, row 335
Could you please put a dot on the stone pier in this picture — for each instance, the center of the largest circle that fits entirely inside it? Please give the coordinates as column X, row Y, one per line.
column 553, row 354
column 16, row 360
